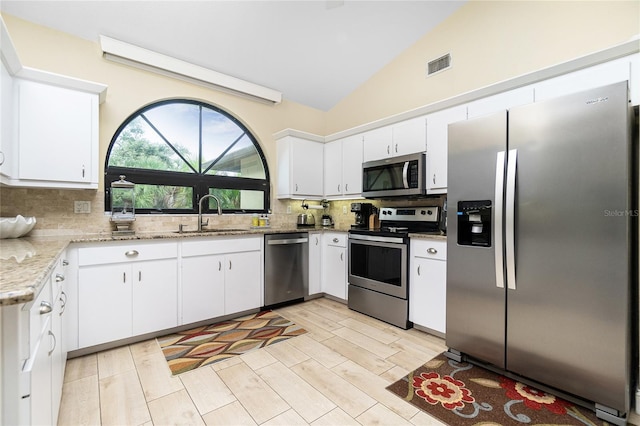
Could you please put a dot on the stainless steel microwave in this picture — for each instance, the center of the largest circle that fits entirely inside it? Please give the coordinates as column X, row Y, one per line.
column 397, row 176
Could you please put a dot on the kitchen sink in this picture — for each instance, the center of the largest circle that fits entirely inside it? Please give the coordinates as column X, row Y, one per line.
column 211, row 230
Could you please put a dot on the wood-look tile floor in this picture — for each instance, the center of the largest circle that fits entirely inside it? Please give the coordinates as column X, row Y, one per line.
column 335, row 374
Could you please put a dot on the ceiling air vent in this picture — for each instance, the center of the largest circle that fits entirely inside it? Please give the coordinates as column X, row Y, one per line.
column 440, row 64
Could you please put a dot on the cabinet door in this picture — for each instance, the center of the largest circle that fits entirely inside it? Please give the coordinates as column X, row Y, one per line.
column 377, row 144
column 40, row 399
column 333, row 170
column 202, row 288
column 334, row 280
column 437, row 134
column 56, row 133
column 243, row 284
column 104, row 304
column 410, row 136
column 58, row 356
column 352, row 165
column 427, row 298
column 315, row 267
column 155, row 295
column 307, row 167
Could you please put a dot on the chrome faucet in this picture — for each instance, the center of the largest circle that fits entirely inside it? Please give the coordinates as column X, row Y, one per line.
column 200, row 223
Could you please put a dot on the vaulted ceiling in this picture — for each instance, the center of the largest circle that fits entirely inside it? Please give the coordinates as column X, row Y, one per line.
column 314, row 52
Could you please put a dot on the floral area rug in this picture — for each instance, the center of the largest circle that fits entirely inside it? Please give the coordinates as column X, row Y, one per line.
column 465, row 394
column 206, row 345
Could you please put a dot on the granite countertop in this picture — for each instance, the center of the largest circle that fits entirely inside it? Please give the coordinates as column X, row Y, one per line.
column 26, row 263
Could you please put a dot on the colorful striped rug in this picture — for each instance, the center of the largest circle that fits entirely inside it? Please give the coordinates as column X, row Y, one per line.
column 206, row 345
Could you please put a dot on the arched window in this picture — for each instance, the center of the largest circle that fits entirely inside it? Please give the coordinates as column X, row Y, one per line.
column 177, row 151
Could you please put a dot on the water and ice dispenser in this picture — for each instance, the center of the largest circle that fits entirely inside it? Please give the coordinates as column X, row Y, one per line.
column 474, row 223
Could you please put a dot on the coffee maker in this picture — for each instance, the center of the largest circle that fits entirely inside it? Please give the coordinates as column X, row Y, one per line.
column 362, row 211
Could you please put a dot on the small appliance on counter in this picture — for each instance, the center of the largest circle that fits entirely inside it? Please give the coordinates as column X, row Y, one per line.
column 306, row 219
column 362, row 211
column 327, row 220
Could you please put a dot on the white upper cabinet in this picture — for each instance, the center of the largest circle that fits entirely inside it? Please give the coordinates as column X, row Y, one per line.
column 437, row 134
column 300, row 168
column 377, row 144
column 409, row 136
column 405, row 137
column 57, row 136
column 343, row 167
column 588, row 78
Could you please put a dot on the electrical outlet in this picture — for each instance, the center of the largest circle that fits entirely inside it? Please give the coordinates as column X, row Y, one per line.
column 344, row 209
column 82, row 207
column 288, row 209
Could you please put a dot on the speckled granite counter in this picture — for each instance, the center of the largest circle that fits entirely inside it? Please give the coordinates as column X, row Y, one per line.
column 428, row 236
column 25, row 263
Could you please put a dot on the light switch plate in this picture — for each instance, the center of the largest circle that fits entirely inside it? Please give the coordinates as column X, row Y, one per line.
column 82, row 207
column 288, row 209
column 344, row 209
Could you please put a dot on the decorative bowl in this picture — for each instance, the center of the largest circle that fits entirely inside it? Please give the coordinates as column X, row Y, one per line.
column 15, row 227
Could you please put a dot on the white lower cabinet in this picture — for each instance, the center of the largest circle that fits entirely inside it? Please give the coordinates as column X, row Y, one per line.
column 334, row 264
column 202, row 288
column 220, row 276
column 315, row 263
column 126, row 290
column 428, row 284
column 33, row 355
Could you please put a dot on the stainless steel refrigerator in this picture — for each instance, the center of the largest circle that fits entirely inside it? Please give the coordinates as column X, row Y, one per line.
column 539, row 263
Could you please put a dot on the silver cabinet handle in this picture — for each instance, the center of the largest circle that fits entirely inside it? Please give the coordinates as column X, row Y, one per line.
column 388, row 149
column 296, row 187
column 131, row 253
column 346, row 187
column 65, row 262
column 45, row 308
column 396, row 148
column 59, row 278
column 338, row 187
column 317, row 240
column 434, row 178
column 55, row 342
column 219, row 266
column 83, row 170
column 63, row 300
column 139, row 275
column 418, row 270
column 124, row 277
column 342, row 256
column 431, row 250
column 229, row 265
column 335, row 240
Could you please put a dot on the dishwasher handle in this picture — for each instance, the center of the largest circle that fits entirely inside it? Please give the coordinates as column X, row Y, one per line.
column 288, row 241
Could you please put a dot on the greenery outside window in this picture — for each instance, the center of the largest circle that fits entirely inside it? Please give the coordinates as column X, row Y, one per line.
column 176, row 151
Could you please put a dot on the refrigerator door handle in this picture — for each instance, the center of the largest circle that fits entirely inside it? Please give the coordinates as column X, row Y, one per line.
column 510, row 218
column 497, row 219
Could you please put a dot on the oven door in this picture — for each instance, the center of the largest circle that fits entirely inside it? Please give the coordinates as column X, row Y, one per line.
column 378, row 264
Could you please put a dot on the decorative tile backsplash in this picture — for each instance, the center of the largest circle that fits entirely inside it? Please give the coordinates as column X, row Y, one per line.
column 54, row 212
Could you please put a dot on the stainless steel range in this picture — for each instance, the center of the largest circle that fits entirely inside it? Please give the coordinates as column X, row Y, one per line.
column 379, row 261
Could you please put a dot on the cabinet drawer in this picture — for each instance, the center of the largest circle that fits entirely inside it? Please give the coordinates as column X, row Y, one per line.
column 335, row 239
column 38, row 320
column 117, row 253
column 201, row 247
column 429, row 249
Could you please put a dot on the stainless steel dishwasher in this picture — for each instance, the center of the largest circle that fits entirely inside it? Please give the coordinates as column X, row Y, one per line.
column 286, row 267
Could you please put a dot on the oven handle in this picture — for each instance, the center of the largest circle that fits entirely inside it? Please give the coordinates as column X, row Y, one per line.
column 380, row 239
